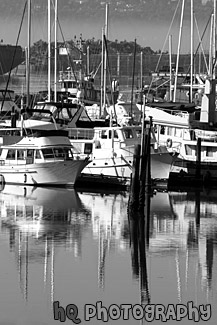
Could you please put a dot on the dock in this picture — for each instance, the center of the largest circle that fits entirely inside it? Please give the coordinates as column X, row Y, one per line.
column 102, row 181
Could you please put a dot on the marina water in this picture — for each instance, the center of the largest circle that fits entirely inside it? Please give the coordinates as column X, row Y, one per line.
column 77, row 248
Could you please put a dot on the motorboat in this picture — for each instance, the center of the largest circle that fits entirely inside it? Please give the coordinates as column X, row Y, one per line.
column 40, row 158
column 111, row 151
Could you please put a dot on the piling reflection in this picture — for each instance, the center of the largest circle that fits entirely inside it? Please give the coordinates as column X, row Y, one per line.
column 138, row 224
column 180, row 229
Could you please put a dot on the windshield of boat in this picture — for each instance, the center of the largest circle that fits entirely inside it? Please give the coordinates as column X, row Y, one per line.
column 49, row 111
column 58, row 152
column 42, row 111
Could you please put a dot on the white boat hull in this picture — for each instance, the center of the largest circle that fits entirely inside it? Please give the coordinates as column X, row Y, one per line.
column 206, row 169
column 63, row 173
column 121, row 167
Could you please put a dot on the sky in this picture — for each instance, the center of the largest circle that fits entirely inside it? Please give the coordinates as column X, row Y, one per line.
column 148, row 21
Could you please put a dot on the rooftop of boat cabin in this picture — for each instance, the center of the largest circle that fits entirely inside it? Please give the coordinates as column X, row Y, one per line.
column 181, row 106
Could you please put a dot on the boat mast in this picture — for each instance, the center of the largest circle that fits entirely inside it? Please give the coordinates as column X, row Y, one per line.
column 214, row 39
column 210, row 46
column 55, row 54
column 178, row 51
column 102, row 73
column 141, row 70
column 134, row 61
column 88, row 60
column 49, row 50
column 170, row 60
column 105, row 58
column 28, row 54
column 192, row 49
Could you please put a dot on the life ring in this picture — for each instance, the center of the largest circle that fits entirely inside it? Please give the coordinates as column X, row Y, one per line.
column 169, row 143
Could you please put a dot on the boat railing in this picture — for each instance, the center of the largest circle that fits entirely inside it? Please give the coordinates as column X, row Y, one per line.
column 176, row 112
column 206, row 135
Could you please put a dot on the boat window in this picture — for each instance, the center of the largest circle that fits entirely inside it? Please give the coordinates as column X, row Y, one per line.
column 115, row 134
column 64, row 114
column 30, row 153
column 59, row 153
column 11, row 154
column 128, row 133
column 37, row 154
column 20, row 154
column 103, row 135
column 48, row 153
column 190, row 150
column 178, row 133
column 68, row 154
column 162, row 129
column 53, row 109
column 211, row 151
column 64, row 153
column 88, row 148
column 169, row 131
column 138, row 133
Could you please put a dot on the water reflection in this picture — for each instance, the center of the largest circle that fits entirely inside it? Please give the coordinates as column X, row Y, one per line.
column 80, row 247
column 35, row 219
column 138, row 226
column 109, row 225
column 197, row 214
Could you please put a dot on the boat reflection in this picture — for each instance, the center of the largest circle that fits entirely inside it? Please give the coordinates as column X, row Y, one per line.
column 198, row 217
column 182, row 231
column 109, row 225
column 37, row 219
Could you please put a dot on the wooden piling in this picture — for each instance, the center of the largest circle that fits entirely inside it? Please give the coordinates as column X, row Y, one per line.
column 143, row 173
column 148, row 167
column 198, row 159
column 134, row 186
column 145, row 169
column 13, row 119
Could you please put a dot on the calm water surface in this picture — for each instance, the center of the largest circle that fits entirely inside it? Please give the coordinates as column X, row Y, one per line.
column 80, row 248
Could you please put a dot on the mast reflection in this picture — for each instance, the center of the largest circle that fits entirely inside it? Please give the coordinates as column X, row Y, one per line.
column 108, row 225
column 38, row 220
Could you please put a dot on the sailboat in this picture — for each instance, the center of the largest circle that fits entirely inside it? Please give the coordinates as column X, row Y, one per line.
column 110, row 148
column 37, row 156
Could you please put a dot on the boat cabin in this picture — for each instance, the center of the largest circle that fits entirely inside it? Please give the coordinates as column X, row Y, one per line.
column 17, row 150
